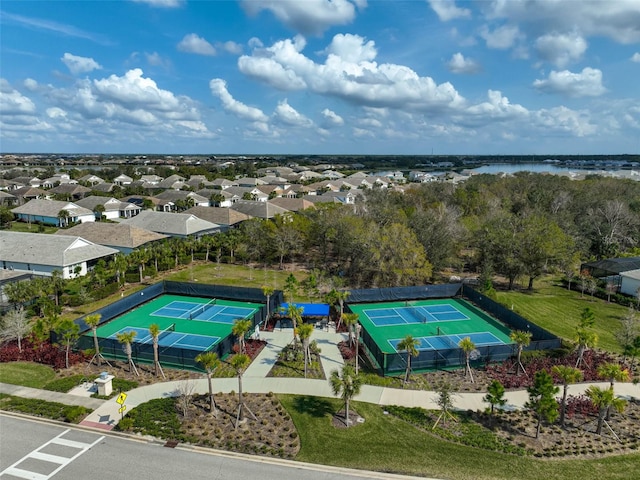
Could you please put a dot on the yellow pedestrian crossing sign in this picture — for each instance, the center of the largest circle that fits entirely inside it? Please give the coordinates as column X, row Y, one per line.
column 121, row 398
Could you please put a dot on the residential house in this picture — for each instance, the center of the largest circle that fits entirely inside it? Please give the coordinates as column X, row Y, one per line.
column 630, row 283
column 183, row 199
column 227, row 218
column 105, row 187
column 243, row 193
column 180, row 225
column 292, row 204
column 7, row 199
column 26, row 194
column 122, row 237
column 70, row 191
column 175, row 182
column 49, row 212
column 123, row 180
column 258, row 209
column 41, row 254
column 155, row 203
column 250, row 182
column 223, row 183
column 112, row 208
column 90, row 180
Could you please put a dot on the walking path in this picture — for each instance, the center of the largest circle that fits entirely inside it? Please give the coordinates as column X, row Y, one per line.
column 255, row 380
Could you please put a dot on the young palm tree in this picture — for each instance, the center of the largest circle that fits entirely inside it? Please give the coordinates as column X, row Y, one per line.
column 585, row 339
column 409, row 345
column 521, row 339
column 295, row 314
column 495, row 395
column 267, row 291
column 358, row 330
column 614, row 373
column 350, row 319
column 568, row 375
column 467, row 346
column 341, row 296
column 69, row 332
column 240, row 363
column 154, row 331
column 347, row 384
column 210, row 361
column 92, row 322
column 126, row 339
column 604, row 399
column 240, row 328
column 304, row 332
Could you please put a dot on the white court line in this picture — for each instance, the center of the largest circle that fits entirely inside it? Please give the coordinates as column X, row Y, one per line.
column 61, row 461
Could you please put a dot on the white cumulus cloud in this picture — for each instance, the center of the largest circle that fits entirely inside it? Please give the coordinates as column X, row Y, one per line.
column 501, row 38
column 311, row 17
column 447, row 10
column 219, row 89
column 192, row 43
column 561, row 49
column 636, row 57
column 286, row 114
column 162, row 3
column 587, row 83
column 12, row 102
column 350, row 73
column 460, row 64
column 77, row 64
column 331, row 119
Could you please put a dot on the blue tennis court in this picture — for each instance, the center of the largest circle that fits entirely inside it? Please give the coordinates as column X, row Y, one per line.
column 207, row 312
column 383, row 317
column 168, row 338
column 445, row 342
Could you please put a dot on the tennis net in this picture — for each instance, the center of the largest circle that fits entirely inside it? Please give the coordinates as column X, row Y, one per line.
column 449, row 340
column 201, row 310
column 415, row 313
column 164, row 333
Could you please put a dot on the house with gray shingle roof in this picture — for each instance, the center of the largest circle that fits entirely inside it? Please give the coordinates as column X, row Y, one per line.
column 178, row 196
column 7, row 199
column 181, row 225
column 292, row 204
column 47, row 211
column 91, row 179
column 25, row 194
column 258, row 209
column 113, row 208
column 105, row 187
column 70, row 191
column 223, row 183
column 41, row 254
column 242, row 192
column 120, row 236
column 225, row 217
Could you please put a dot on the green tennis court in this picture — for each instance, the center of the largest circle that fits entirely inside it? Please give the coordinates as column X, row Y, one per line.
column 194, row 323
column 436, row 324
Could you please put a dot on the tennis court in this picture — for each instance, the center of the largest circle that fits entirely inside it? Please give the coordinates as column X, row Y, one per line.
column 191, row 323
column 171, row 338
column 438, row 324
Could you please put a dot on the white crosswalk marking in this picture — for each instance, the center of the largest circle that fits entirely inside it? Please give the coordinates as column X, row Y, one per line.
column 59, row 460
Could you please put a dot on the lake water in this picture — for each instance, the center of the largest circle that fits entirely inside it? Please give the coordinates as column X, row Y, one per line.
column 531, row 167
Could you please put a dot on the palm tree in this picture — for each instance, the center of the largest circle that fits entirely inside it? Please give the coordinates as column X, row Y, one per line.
column 92, row 322
column 57, row 284
column 347, row 384
column 568, row 375
column 495, row 395
column 585, row 339
column 304, row 332
column 350, row 319
column 154, row 331
column 240, row 363
column 126, row 339
column 295, row 314
column 358, row 330
column 409, row 345
column 63, row 218
column 120, row 266
column 267, row 291
column 521, row 339
column 240, row 328
column 69, row 332
column 614, row 373
column 604, row 399
column 341, row 296
column 210, row 361
column 467, row 346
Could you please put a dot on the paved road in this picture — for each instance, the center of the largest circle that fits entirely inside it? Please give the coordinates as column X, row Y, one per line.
column 40, row 451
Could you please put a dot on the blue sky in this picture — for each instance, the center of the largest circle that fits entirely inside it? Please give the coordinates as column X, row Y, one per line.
column 320, row 76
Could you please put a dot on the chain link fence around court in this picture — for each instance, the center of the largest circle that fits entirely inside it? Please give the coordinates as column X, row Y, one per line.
column 174, row 356
column 396, row 363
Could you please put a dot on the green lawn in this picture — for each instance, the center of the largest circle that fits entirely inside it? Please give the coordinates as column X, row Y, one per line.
column 32, row 228
column 558, row 310
column 387, row 444
column 26, row 374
